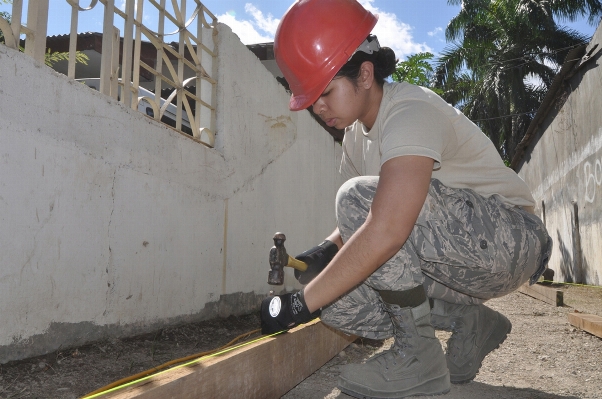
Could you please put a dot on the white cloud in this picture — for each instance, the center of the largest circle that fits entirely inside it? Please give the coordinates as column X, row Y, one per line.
column 394, row 33
column 257, row 29
column 435, row 31
column 245, row 30
column 267, row 24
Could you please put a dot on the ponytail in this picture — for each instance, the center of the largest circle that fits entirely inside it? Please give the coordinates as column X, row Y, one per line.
column 384, row 62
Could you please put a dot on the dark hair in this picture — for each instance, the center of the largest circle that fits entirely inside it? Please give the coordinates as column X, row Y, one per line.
column 384, row 62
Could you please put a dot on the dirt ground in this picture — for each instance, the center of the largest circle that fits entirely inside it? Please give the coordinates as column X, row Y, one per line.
column 543, row 357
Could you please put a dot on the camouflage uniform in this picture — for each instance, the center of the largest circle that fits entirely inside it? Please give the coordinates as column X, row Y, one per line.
column 464, row 248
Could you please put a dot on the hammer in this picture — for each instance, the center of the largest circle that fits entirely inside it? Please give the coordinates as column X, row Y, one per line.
column 279, row 258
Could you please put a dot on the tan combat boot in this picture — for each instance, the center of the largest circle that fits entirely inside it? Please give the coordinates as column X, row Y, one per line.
column 476, row 331
column 415, row 364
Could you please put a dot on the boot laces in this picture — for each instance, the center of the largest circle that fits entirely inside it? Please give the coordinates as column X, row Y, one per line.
column 455, row 342
column 401, row 341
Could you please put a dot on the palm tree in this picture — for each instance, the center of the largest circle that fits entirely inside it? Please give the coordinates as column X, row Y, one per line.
column 503, row 58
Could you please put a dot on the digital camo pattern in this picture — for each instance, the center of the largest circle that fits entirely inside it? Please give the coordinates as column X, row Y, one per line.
column 464, row 248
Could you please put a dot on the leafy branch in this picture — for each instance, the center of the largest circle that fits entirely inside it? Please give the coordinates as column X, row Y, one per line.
column 50, row 58
column 416, row 70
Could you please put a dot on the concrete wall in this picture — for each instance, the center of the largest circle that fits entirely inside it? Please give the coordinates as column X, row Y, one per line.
column 112, row 224
column 563, row 167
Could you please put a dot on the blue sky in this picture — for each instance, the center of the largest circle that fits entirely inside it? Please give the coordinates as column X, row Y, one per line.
column 407, row 26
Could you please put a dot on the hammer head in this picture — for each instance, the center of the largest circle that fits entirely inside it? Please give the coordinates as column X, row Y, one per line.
column 278, row 259
column 276, row 276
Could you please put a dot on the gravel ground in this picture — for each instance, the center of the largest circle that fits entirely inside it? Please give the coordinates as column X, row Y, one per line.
column 543, row 357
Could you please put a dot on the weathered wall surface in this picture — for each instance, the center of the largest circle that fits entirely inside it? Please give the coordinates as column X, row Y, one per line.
column 112, row 224
column 564, row 169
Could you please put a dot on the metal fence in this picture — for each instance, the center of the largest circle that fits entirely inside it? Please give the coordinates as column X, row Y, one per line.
column 186, row 67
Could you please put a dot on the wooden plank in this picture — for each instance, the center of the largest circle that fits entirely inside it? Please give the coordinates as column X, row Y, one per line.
column 265, row 369
column 587, row 322
column 546, row 294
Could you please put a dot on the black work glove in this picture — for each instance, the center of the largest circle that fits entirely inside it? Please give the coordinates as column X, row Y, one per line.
column 317, row 259
column 282, row 312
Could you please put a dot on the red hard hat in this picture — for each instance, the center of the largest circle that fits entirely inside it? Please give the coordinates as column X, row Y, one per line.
column 315, row 38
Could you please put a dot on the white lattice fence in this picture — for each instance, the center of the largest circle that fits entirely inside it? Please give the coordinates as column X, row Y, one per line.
column 186, row 66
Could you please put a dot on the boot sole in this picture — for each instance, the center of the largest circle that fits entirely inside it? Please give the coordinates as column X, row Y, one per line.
column 436, row 386
column 458, row 380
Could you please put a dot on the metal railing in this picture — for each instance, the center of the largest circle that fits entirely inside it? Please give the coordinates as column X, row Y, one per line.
column 187, row 67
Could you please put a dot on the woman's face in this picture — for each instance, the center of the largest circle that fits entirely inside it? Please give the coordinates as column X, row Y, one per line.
column 341, row 103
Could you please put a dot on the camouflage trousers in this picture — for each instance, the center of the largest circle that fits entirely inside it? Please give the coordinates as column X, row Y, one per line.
column 464, row 248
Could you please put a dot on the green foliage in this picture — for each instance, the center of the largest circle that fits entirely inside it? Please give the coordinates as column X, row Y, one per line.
column 498, row 50
column 416, row 70
column 51, row 58
column 6, row 16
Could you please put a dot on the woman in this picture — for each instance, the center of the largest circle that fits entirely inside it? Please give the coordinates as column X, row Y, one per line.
column 431, row 223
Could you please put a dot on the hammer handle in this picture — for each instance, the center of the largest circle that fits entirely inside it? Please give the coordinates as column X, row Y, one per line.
column 296, row 264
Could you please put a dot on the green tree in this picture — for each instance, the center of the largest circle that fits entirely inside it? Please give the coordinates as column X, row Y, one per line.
column 504, row 55
column 416, row 70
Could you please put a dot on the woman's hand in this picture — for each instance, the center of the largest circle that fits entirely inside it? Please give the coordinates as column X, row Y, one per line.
column 401, row 192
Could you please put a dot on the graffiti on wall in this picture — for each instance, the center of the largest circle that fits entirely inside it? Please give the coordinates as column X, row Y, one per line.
column 576, row 162
column 593, row 178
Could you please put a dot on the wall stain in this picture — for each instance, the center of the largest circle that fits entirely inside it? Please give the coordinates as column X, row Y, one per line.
column 277, row 122
column 69, row 335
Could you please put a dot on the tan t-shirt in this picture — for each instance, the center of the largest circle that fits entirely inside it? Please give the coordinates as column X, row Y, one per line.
column 413, row 120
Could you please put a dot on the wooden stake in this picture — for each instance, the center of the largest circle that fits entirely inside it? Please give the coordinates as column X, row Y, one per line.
column 265, row 369
column 588, row 322
column 546, row 294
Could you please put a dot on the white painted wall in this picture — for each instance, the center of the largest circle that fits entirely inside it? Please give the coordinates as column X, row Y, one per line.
column 563, row 167
column 113, row 224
